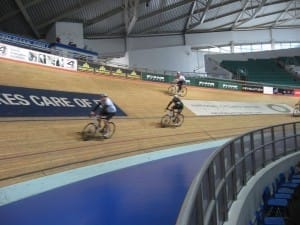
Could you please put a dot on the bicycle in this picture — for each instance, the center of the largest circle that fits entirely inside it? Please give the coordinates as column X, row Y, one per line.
column 172, row 118
column 173, row 90
column 296, row 111
column 96, row 128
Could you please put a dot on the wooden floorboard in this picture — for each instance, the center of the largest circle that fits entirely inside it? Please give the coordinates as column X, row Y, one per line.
column 34, row 147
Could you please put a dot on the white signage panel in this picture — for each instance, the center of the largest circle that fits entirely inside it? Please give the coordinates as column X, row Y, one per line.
column 210, row 108
column 35, row 57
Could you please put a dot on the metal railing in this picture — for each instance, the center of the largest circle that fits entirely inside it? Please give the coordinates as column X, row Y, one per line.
column 228, row 169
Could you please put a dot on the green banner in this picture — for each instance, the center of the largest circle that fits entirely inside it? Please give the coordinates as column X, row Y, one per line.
column 157, row 77
column 229, row 86
column 201, row 82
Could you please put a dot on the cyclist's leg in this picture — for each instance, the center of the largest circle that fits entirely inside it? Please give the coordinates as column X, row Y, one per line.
column 178, row 112
column 99, row 120
column 174, row 110
column 179, row 85
column 108, row 117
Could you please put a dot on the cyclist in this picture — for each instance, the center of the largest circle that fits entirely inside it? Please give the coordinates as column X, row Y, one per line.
column 297, row 105
column 107, row 111
column 180, row 80
column 177, row 104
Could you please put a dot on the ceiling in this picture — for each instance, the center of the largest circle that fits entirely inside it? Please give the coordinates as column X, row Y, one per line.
column 121, row 18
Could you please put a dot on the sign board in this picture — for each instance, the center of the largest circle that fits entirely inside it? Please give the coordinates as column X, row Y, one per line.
column 210, row 108
column 21, row 102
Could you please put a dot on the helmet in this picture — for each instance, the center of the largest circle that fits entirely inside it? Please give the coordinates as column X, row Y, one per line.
column 176, row 96
column 103, row 95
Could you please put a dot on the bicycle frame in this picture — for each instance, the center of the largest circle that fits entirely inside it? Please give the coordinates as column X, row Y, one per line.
column 173, row 89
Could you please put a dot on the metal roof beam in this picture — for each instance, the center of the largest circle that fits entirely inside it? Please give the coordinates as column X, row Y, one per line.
column 192, row 26
column 130, row 14
column 155, row 13
column 257, row 10
column 66, row 13
column 260, row 16
column 280, row 21
column 15, row 12
column 186, row 15
column 198, row 11
column 205, row 11
column 27, row 18
column 246, row 2
column 164, row 23
column 108, row 14
column 191, row 12
column 284, row 12
column 164, row 9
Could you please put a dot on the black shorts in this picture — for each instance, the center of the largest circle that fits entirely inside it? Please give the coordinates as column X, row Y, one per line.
column 107, row 115
column 178, row 107
column 180, row 82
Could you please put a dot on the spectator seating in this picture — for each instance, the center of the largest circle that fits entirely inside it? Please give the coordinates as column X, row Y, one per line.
column 262, row 70
column 280, row 204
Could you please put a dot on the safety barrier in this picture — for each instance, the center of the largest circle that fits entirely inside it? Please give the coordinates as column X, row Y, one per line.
column 227, row 171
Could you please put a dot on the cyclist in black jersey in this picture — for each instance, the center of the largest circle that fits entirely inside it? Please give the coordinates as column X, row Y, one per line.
column 177, row 104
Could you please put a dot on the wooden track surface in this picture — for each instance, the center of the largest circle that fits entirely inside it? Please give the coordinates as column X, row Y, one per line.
column 37, row 147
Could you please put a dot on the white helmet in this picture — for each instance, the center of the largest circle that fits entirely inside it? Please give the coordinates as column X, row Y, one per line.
column 103, row 95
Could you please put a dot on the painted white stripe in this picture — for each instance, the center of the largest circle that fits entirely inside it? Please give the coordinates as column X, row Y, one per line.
column 17, row 192
column 209, row 108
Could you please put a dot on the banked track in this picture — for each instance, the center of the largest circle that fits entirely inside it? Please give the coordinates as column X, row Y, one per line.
column 34, row 147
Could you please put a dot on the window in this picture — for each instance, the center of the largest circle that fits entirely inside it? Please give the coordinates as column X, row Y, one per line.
column 251, row 47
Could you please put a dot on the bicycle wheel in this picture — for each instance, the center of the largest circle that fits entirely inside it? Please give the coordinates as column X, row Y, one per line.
column 110, row 130
column 178, row 121
column 89, row 131
column 165, row 121
column 172, row 90
column 183, row 92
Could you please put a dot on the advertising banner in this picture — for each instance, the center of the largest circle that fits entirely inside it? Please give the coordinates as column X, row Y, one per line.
column 229, row 86
column 268, row 90
column 35, row 57
column 252, row 88
column 103, row 69
column 132, row 74
column 118, row 72
column 297, row 92
column 206, row 83
column 283, row 91
column 210, row 108
column 85, row 66
column 157, row 77
column 24, row 102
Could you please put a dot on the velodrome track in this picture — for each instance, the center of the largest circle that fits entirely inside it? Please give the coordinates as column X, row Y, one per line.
column 35, row 147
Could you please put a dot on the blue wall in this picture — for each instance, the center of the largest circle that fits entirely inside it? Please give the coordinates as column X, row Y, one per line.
column 149, row 193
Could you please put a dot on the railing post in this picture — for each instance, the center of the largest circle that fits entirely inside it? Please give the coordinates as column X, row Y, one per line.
column 273, row 144
column 234, row 180
column 263, row 148
column 284, row 140
column 244, row 173
column 253, row 162
column 295, row 136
